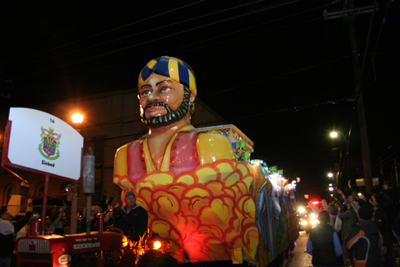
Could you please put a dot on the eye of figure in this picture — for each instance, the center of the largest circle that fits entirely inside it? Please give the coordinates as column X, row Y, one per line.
column 145, row 93
column 165, row 89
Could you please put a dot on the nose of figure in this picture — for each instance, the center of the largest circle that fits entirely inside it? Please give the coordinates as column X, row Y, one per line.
column 153, row 97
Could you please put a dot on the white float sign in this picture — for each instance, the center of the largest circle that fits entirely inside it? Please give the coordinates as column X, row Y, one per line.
column 42, row 142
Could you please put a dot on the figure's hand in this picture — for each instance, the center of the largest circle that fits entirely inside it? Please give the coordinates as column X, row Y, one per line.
column 349, row 183
column 339, row 191
column 116, row 205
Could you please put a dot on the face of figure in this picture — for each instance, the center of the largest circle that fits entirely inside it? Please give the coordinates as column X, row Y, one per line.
column 163, row 101
column 130, row 201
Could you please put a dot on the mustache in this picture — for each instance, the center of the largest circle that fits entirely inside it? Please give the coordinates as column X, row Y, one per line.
column 158, row 104
column 171, row 116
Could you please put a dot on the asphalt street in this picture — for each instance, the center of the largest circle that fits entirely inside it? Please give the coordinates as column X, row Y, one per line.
column 299, row 258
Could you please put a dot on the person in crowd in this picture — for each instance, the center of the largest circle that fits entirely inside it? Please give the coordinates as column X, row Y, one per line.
column 22, row 231
column 109, row 214
column 94, row 223
column 341, row 195
column 105, row 203
column 364, row 241
column 132, row 218
column 7, row 233
column 62, row 222
column 375, row 188
column 323, row 242
column 51, row 224
column 384, row 215
column 352, row 187
column 349, row 218
column 393, row 203
column 332, row 210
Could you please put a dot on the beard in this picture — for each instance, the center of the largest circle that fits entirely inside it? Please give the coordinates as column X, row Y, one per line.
column 171, row 116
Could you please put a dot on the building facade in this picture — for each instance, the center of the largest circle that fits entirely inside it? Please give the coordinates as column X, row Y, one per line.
column 110, row 121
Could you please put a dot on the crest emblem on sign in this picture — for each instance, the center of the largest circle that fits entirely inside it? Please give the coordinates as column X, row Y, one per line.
column 49, row 145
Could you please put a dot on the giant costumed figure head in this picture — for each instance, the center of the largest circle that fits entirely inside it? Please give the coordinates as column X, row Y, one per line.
column 198, row 196
column 167, row 91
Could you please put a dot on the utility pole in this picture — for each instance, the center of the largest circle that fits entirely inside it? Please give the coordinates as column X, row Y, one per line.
column 349, row 14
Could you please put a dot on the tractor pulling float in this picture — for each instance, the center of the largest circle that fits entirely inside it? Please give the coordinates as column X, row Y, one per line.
column 102, row 248
column 238, row 211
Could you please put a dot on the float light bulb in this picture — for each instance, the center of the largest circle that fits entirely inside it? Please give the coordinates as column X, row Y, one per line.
column 157, row 244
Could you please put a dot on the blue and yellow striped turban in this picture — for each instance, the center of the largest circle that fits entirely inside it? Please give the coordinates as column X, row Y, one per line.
column 171, row 67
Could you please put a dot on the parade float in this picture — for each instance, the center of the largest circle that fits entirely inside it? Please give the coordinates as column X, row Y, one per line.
column 206, row 199
column 236, row 210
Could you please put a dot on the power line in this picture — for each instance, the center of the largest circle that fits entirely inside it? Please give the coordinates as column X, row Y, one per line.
column 158, row 39
column 114, row 29
column 194, row 46
column 136, row 34
column 278, row 76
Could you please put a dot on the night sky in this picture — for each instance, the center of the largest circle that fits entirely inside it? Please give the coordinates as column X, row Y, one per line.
column 276, row 69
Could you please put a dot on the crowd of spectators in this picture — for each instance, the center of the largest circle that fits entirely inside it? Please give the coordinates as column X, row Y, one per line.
column 367, row 225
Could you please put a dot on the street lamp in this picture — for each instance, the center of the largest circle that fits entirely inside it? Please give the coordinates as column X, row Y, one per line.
column 335, row 134
column 77, row 118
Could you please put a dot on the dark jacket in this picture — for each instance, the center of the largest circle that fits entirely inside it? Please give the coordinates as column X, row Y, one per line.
column 349, row 218
column 364, row 244
column 132, row 223
column 7, row 242
column 322, row 245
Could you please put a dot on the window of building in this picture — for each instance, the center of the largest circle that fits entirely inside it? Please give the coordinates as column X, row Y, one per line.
column 8, row 192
